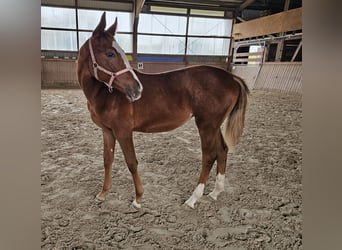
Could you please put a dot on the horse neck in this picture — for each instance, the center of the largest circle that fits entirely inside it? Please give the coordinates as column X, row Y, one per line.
column 89, row 85
column 91, row 88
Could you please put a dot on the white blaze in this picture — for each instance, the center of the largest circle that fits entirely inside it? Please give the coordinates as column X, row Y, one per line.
column 124, row 58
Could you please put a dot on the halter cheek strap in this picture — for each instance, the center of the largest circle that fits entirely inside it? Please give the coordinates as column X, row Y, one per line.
column 113, row 75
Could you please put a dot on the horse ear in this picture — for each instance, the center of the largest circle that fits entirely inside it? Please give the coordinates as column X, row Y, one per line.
column 112, row 29
column 101, row 26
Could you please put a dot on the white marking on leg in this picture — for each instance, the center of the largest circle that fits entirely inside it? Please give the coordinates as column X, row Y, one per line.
column 136, row 204
column 111, row 150
column 219, row 186
column 98, row 198
column 197, row 194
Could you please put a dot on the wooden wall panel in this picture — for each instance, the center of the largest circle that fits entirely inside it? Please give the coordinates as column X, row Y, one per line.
column 284, row 76
column 61, row 73
column 58, row 73
column 280, row 22
column 247, row 73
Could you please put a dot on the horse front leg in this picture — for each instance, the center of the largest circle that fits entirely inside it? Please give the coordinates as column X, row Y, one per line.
column 108, row 158
column 127, row 146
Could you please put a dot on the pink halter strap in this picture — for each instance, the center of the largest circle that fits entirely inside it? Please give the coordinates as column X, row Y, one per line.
column 96, row 67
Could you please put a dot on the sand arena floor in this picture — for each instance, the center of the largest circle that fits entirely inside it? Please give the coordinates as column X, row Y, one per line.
column 261, row 207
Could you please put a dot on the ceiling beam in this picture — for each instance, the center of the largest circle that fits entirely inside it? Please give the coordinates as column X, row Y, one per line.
column 240, row 19
column 138, row 4
column 245, row 4
column 198, row 3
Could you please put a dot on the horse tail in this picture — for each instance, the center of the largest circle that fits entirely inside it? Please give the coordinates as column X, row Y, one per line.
column 236, row 118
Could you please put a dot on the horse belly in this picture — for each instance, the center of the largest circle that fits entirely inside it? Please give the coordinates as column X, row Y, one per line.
column 163, row 123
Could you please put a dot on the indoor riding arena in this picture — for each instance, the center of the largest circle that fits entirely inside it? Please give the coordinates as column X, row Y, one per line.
column 261, row 205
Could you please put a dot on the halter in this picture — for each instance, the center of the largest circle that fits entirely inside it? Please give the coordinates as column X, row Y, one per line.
column 96, row 67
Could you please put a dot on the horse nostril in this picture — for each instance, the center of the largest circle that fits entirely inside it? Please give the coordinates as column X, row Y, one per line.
column 128, row 91
column 134, row 93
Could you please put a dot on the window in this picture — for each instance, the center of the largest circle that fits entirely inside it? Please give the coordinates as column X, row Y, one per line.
column 162, row 24
column 58, row 24
column 170, row 34
column 58, row 40
column 89, row 19
column 208, row 46
column 59, row 31
column 209, row 26
column 209, row 36
column 52, row 17
column 124, row 40
column 161, row 44
column 165, row 30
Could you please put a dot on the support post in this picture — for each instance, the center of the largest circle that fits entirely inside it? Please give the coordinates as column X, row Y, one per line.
column 230, row 52
column 77, row 33
column 279, row 52
column 297, row 50
column 280, row 46
column 138, row 4
column 185, row 57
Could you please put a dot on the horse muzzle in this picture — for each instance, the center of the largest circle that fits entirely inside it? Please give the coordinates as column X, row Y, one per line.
column 133, row 94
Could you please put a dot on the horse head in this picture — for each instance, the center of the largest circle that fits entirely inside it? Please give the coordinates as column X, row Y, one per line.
column 109, row 62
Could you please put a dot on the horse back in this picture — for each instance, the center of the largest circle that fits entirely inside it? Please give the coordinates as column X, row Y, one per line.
column 189, row 79
column 171, row 98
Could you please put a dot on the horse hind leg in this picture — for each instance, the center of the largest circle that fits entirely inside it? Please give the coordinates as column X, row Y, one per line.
column 209, row 155
column 222, row 151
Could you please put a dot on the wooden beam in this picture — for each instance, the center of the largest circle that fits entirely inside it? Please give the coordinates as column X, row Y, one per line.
column 287, row 5
column 279, row 52
column 280, row 22
column 243, row 20
column 138, row 4
column 240, row 19
column 297, row 50
column 244, row 54
column 245, row 4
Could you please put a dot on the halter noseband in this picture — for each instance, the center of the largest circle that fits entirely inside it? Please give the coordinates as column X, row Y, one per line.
column 96, row 67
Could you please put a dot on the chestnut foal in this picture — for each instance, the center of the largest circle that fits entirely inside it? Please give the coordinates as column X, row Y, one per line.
column 122, row 100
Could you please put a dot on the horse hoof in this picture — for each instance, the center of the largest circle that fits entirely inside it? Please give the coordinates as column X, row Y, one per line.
column 98, row 198
column 213, row 196
column 136, row 204
column 190, row 204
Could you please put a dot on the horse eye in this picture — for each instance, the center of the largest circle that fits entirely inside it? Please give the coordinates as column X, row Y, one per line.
column 110, row 54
